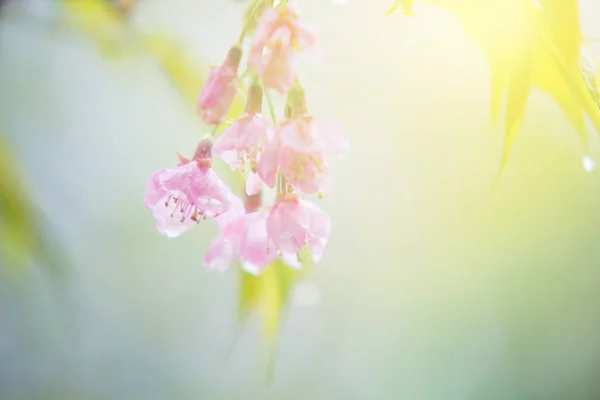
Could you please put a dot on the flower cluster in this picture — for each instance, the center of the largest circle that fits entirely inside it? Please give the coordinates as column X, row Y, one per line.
column 289, row 156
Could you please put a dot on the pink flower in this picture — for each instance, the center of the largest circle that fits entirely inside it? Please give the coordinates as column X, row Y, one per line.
column 181, row 196
column 282, row 17
column 305, row 135
column 268, row 164
column 245, row 239
column 294, row 224
column 253, row 184
column 278, row 37
column 256, row 248
column 235, row 211
column 278, row 69
column 225, row 249
column 219, row 90
column 299, row 151
column 241, row 144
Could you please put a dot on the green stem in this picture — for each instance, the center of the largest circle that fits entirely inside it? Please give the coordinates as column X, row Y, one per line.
column 249, row 20
column 277, row 184
column 271, row 107
column 279, row 176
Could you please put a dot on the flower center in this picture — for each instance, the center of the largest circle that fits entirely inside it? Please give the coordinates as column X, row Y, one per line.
column 302, row 165
column 248, row 156
column 183, row 210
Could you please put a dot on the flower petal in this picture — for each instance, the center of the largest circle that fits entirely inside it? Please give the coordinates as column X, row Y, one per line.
column 217, row 94
column 269, row 162
column 220, row 254
column 294, row 223
column 291, row 260
column 253, row 184
column 256, row 246
column 208, row 192
column 233, row 214
column 169, row 220
column 286, row 225
column 155, row 193
column 176, row 181
column 298, row 134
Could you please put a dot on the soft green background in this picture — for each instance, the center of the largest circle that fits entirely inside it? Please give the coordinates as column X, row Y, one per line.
column 433, row 286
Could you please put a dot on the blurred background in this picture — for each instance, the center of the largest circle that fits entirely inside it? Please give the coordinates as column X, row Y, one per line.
column 433, row 286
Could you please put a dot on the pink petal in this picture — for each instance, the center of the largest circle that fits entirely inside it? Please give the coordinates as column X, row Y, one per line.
column 233, row 214
column 305, row 38
column 208, row 192
column 217, row 94
column 299, row 135
column 279, row 71
column 309, row 173
column 226, row 247
column 230, row 157
column 286, row 226
column 220, row 254
column 308, row 136
column 320, row 229
column 244, row 139
column 291, row 260
column 317, row 248
column 176, row 181
column 295, row 223
column 255, row 245
column 319, row 183
column 319, row 220
column 325, row 183
column 253, row 268
column 265, row 28
column 269, row 163
column 213, row 88
column 253, row 184
column 155, row 193
column 169, row 220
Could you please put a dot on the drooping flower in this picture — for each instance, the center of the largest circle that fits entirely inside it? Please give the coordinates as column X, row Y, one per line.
column 217, row 94
column 225, row 249
column 278, row 69
column 296, row 224
column 241, row 144
column 300, row 150
column 256, row 247
column 244, row 239
column 277, row 40
column 181, row 196
column 284, row 16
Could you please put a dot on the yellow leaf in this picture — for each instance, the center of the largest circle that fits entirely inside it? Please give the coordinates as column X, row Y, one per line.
column 519, row 87
column 99, row 20
column 531, row 44
column 23, row 232
column 402, row 6
column 181, row 69
column 17, row 234
column 249, row 293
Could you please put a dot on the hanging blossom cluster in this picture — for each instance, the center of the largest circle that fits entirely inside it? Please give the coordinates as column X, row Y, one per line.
column 289, row 156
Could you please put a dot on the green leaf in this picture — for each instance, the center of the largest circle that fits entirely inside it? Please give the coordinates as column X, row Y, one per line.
column 24, row 234
column 519, row 88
